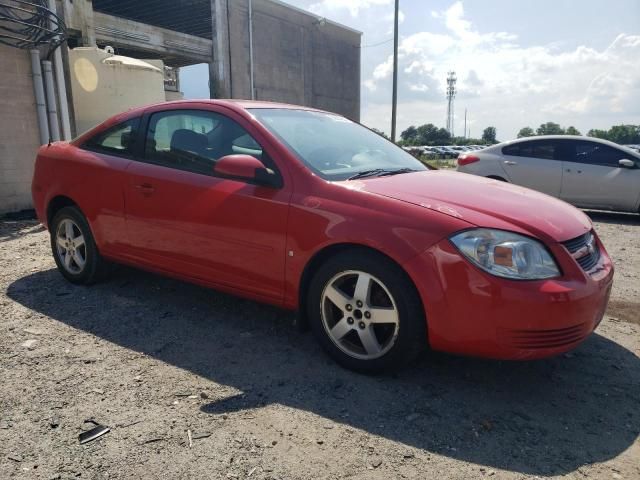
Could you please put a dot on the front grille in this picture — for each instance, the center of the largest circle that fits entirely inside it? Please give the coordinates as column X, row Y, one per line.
column 584, row 249
column 533, row 339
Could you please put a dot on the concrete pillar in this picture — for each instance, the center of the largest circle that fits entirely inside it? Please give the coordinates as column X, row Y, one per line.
column 220, row 68
column 78, row 16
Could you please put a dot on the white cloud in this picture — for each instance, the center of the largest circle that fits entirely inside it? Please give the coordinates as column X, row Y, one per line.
column 353, row 6
column 420, row 87
column 506, row 84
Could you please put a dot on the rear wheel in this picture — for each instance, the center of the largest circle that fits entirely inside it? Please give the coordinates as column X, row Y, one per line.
column 74, row 248
column 365, row 312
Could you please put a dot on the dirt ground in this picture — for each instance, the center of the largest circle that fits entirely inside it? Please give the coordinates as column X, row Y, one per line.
column 199, row 385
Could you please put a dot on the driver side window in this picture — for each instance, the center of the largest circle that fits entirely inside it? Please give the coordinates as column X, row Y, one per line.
column 193, row 140
column 598, row 154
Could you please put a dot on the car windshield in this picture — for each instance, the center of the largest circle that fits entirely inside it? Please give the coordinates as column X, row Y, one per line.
column 336, row 148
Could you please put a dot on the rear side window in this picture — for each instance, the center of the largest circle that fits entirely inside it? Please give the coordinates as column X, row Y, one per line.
column 597, row 154
column 194, row 140
column 535, row 149
column 119, row 139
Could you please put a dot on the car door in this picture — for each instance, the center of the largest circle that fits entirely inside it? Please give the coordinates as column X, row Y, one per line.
column 181, row 218
column 108, row 153
column 533, row 164
column 594, row 178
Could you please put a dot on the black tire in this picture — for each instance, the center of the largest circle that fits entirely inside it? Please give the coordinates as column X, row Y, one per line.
column 495, row 177
column 95, row 266
column 411, row 336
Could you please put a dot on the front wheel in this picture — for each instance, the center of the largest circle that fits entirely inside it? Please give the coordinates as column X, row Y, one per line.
column 365, row 312
column 74, row 248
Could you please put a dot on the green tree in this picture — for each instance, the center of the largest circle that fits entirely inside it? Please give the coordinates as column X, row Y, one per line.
column 594, row 132
column 624, row 134
column 410, row 135
column 427, row 134
column 526, row 132
column 489, row 135
column 571, row 130
column 550, row 128
column 443, row 136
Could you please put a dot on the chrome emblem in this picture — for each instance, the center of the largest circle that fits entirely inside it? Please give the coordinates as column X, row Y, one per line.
column 588, row 249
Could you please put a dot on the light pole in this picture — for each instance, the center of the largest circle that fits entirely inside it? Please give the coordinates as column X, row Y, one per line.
column 394, row 100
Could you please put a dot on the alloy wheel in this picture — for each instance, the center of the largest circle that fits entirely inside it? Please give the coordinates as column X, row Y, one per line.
column 359, row 314
column 70, row 246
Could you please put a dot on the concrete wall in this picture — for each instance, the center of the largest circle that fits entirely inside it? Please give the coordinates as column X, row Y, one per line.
column 18, row 129
column 297, row 58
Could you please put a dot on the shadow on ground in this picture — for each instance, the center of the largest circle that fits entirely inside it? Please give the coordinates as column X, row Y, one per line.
column 12, row 229
column 545, row 418
column 616, row 218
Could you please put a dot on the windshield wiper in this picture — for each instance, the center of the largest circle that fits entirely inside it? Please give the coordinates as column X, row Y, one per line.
column 381, row 172
column 397, row 171
column 368, row 173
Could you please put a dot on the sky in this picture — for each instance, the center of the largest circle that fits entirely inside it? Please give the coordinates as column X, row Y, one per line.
column 573, row 62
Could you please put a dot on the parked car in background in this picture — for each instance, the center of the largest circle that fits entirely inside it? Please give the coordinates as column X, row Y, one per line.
column 309, row 211
column 586, row 172
column 635, row 148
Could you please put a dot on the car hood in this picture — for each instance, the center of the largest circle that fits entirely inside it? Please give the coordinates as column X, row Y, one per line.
column 483, row 202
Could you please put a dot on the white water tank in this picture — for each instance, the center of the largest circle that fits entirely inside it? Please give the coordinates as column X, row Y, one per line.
column 104, row 84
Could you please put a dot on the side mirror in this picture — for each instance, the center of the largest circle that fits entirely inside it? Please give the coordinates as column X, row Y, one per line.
column 246, row 167
column 626, row 163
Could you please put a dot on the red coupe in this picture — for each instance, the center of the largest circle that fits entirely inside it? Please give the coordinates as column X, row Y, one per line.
column 309, row 211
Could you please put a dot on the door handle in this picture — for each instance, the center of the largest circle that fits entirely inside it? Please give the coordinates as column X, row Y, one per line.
column 510, row 162
column 145, row 188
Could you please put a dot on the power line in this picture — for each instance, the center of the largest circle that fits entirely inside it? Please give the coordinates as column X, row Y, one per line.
column 376, row 44
column 30, row 24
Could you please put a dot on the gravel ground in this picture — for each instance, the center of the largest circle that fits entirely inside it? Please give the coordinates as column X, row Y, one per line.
column 195, row 384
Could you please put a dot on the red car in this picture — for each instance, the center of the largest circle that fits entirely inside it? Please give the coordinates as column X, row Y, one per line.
column 309, row 211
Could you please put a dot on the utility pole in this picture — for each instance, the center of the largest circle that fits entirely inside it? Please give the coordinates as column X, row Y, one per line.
column 394, row 101
column 465, row 123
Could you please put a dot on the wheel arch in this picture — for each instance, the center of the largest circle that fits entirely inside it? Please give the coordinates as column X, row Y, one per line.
column 317, row 260
column 57, row 203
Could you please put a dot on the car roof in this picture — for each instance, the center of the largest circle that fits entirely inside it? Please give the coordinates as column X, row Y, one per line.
column 565, row 137
column 237, row 105
column 234, row 104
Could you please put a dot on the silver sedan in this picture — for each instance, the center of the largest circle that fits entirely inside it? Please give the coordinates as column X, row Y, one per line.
column 586, row 172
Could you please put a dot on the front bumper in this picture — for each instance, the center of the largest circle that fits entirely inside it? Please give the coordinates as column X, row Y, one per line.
column 471, row 312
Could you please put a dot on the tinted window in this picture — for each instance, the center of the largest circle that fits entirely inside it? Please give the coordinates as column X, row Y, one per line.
column 194, row 140
column 119, row 139
column 511, row 150
column 535, row 149
column 598, row 154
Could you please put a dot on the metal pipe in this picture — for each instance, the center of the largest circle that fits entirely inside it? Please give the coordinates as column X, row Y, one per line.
column 52, row 109
column 253, row 92
column 61, row 85
column 38, row 91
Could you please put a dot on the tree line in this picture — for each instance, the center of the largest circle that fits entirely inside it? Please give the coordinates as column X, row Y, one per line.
column 429, row 134
column 622, row 134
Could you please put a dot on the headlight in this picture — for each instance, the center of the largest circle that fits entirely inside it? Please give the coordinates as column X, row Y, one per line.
column 506, row 254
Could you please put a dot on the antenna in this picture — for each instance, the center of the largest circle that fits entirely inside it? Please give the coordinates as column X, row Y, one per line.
column 451, row 93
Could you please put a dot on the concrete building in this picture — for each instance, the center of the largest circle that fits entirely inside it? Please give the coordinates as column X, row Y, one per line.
column 262, row 49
